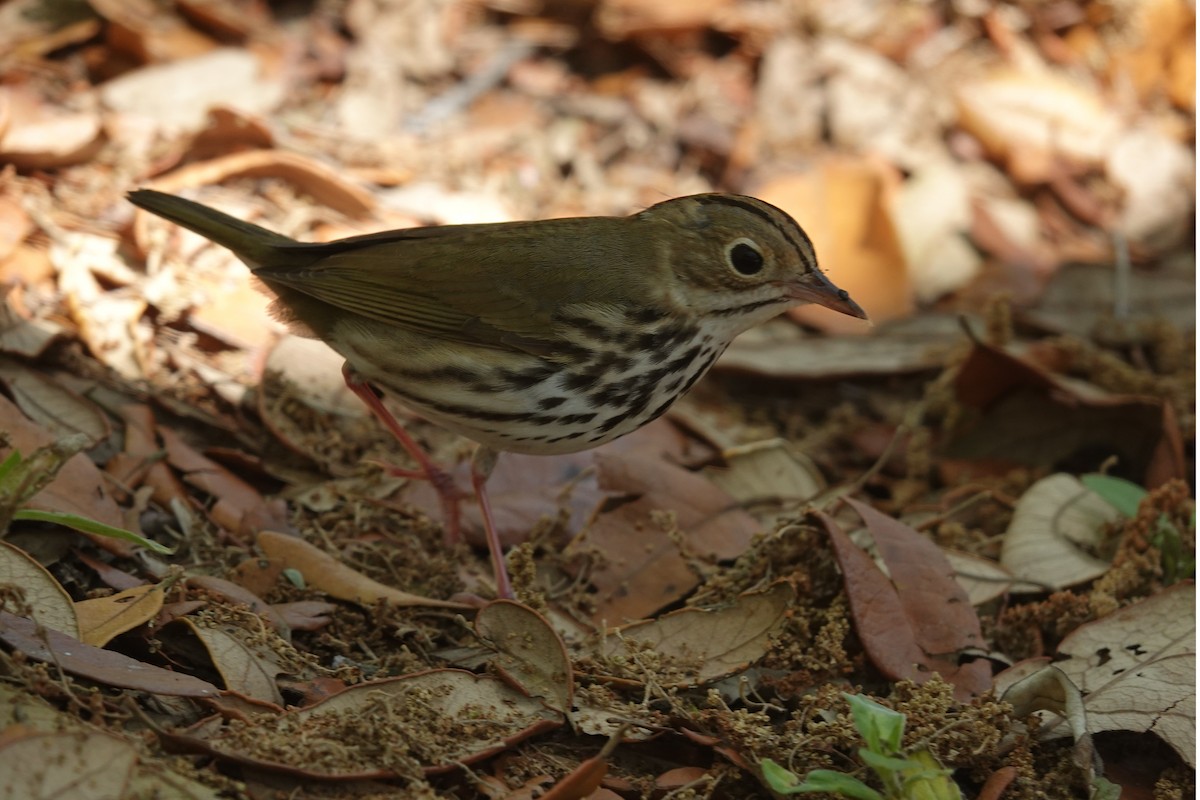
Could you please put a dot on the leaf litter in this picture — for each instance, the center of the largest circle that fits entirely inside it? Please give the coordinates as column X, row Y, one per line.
column 1008, row 190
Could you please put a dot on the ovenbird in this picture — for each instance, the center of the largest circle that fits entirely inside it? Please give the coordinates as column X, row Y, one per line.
column 532, row 337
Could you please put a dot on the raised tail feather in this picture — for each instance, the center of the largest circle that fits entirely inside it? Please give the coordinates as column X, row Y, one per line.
column 255, row 245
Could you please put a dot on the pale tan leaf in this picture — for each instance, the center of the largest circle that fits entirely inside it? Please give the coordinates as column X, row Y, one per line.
column 1137, row 669
column 694, row 646
column 49, row 603
column 769, row 478
column 102, row 618
column 322, row 571
column 65, row 766
column 528, row 651
column 846, row 205
column 178, row 96
column 247, row 665
column 423, row 723
column 1035, row 119
column 45, row 135
column 50, row 404
column 1057, row 525
column 982, row 578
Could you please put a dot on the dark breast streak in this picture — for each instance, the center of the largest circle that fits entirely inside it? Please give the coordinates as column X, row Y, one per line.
column 615, row 380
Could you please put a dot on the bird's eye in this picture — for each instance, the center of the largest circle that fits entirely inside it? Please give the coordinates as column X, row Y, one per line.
column 745, row 257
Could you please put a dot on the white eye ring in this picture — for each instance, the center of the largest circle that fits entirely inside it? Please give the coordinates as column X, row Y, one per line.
column 744, row 257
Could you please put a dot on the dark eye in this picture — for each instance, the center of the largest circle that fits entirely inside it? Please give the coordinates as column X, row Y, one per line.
column 745, row 258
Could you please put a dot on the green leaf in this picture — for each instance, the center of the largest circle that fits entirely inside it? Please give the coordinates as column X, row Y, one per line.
column 882, row 763
column 295, row 577
column 928, row 780
column 784, row 781
column 11, row 462
column 1119, row 493
column 76, row 522
column 880, row 726
column 1104, row 789
column 826, row 780
column 778, row 779
column 1176, row 561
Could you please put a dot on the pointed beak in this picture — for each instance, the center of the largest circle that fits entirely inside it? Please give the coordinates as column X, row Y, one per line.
column 816, row 288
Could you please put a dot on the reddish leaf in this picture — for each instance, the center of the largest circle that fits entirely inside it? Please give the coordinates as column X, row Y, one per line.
column 917, row 622
column 93, row 663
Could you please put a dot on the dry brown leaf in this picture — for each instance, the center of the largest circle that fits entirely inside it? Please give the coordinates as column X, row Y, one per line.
column 15, row 224
column 234, row 310
column 47, row 136
column 234, row 593
column 140, row 462
column 1019, row 413
column 915, row 622
column 59, row 410
column 933, row 214
column 102, row 618
column 147, row 32
column 1137, row 669
column 240, row 507
column 622, row 19
column 694, row 646
column 981, row 578
column 1036, row 685
column 1081, row 298
column 644, row 565
column 1037, row 120
column 322, row 571
column 101, row 666
column 768, row 478
column 228, row 18
column 316, row 179
column 78, row 488
column 19, row 335
column 246, row 660
column 305, row 615
column 845, row 206
column 27, row 34
column 779, row 350
column 477, row 717
column 528, row 652
column 1156, row 176
column 70, row 766
column 226, row 77
column 523, row 489
column 48, row 603
column 108, row 322
column 1056, row 529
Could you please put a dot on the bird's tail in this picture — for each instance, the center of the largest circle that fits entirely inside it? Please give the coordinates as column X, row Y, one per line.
column 255, row 245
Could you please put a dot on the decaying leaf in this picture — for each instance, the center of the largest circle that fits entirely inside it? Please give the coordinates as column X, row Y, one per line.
column 1136, row 668
column 528, row 652
column 247, row 660
column 917, row 621
column 1056, row 535
column 322, row 571
column 102, row 666
column 668, row 517
column 43, row 765
column 48, row 603
column 694, row 646
column 409, row 726
column 102, row 618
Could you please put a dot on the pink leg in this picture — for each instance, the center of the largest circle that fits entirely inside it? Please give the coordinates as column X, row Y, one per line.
column 482, row 464
column 448, row 494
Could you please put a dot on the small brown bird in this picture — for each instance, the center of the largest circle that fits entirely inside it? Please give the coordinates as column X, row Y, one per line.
column 532, row 337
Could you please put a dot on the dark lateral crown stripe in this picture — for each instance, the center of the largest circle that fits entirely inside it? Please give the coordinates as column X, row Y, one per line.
column 760, row 209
